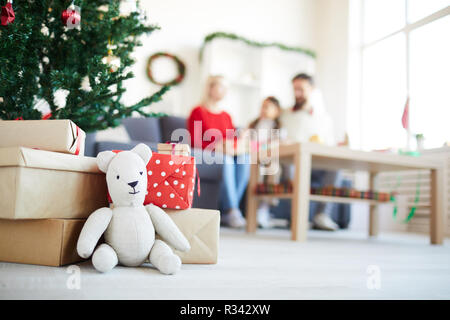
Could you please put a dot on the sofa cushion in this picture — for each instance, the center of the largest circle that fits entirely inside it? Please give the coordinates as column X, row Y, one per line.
column 169, row 124
column 143, row 129
column 209, row 196
column 210, row 172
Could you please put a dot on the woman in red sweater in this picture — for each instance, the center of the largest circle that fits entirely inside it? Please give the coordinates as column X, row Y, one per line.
column 210, row 128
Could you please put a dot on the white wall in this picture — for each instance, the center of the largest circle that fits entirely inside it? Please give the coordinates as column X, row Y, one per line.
column 184, row 24
column 331, row 43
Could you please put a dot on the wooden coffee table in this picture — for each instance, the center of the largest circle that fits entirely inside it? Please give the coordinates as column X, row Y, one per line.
column 307, row 156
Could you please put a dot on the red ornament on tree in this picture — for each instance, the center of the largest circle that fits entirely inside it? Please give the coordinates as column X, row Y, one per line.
column 71, row 17
column 7, row 15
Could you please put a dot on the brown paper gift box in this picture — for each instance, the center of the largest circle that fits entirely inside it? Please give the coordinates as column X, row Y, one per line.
column 48, row 242
column 37, row 184
column 201, row 228
column 51, row 135
column 177, row 149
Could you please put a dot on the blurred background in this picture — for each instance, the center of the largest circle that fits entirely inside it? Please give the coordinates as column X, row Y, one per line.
column 370, row 56
column 380, row 66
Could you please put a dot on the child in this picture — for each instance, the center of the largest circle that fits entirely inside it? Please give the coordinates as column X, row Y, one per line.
column 269, row 117
column 267, row 120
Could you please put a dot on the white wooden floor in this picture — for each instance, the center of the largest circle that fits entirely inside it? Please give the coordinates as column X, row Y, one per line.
column 340, row 265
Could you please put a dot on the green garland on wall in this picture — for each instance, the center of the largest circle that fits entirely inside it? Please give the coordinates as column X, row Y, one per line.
column 233, row 36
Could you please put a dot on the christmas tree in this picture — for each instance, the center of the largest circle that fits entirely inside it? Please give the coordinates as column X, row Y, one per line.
column 70, row 57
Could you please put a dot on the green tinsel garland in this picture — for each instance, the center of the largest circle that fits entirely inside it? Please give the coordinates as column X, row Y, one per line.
column 233, row 36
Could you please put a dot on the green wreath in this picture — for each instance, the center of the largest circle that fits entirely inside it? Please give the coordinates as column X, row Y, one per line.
column 180, row 66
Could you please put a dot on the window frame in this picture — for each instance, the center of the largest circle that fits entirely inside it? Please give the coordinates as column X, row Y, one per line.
column 406, row 30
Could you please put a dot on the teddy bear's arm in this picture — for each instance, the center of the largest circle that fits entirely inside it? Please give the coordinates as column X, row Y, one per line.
column 167, row 229
column 92, row 230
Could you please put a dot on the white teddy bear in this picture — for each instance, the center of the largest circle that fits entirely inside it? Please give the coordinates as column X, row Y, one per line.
column 129, row 228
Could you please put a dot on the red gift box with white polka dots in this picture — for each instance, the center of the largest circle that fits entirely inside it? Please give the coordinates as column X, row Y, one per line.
column 171, row 181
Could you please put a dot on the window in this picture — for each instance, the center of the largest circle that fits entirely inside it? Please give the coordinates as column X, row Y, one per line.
column 405, row 53
column 384, row 91
column 430, row 81
column 382, row 17
column 418, row 9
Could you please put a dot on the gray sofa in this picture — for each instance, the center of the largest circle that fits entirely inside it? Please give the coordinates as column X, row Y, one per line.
column 152, row 131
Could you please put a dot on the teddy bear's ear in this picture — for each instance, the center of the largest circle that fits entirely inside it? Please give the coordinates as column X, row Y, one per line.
column 103, row 160
column 143, row 151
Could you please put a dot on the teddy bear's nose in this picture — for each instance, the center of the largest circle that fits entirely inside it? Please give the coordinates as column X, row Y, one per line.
column 133, row 184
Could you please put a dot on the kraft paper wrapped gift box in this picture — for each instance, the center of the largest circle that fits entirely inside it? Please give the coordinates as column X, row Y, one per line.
column 51, row 135
column 177, row 149
column 37, row 184
column 48, row 242
column 201, row 228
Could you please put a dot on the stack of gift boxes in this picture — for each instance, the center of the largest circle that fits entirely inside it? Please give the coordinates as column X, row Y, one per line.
column 48, row 189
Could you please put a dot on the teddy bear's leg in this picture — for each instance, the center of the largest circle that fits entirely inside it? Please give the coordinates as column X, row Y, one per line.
column 104, row 258
column 163, row 258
